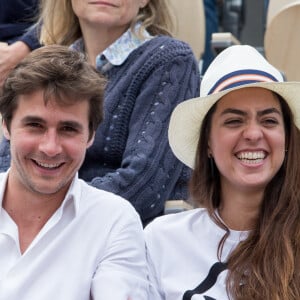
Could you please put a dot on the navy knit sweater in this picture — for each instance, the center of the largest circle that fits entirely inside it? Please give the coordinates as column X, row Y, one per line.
column 131, row 155
column 16, row 17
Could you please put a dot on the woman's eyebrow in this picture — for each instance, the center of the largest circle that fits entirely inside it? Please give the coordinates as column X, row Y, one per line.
column 269, row 111
column 243, row 113
column 233, row 111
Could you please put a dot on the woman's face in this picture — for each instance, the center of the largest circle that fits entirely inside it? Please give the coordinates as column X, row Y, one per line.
column 108, row 14
column 247, row 138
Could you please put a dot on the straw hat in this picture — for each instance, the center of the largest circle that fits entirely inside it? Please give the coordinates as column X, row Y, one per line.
column 236, row 67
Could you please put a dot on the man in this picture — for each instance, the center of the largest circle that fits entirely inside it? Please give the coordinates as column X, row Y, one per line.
column 59, row 237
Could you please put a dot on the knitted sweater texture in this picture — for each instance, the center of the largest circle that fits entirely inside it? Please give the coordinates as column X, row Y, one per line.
column 131, row 155
column 16, row 16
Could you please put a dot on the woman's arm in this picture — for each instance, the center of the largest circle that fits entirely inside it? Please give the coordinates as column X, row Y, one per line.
column 11, row 55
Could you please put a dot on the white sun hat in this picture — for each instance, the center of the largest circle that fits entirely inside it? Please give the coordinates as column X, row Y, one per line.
column 236, row 67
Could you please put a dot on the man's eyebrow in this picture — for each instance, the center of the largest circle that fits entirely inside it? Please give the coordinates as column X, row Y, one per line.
column 33, row 119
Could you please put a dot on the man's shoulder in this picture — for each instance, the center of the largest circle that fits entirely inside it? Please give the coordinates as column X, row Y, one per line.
column 3, row 176
column 103, row 199
column 100, row 206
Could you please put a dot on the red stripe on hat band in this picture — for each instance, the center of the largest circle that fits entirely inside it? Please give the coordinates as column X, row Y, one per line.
column 238, row 78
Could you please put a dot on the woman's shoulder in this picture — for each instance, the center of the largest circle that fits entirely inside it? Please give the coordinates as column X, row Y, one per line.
column 168, row 39
column 167, row 44
column 177, row 221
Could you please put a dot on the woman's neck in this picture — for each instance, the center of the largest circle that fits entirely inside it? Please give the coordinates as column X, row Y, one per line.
column 96, row 40
column 239, row 209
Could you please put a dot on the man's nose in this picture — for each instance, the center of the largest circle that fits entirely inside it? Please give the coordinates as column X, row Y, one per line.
column 50, row 143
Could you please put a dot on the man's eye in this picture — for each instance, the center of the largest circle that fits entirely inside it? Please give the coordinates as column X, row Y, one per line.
column 69, row 129
column 34, row 125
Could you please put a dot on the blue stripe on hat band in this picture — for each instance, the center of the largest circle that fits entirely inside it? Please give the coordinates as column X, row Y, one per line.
column 239, row 78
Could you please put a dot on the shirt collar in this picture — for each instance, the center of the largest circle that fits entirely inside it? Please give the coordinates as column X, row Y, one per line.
column 117, row 53
column 73, row 194
column 3, row 182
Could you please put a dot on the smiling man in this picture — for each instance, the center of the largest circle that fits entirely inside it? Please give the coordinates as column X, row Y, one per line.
column 59, row 237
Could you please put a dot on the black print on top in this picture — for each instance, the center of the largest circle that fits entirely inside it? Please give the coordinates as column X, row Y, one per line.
column 207, row 283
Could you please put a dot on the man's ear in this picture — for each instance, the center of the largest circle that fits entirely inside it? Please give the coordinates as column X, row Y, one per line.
column 5, row 130
column 91, row 140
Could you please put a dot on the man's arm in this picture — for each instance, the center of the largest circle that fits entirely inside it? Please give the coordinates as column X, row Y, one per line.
column 122, row 271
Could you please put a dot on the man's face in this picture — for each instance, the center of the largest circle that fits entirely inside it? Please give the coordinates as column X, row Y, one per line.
column 48, row 144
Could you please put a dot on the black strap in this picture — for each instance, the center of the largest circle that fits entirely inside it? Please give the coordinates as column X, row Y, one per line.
column 208, row 282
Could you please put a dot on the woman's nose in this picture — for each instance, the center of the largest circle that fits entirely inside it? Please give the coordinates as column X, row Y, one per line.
column 253, row 131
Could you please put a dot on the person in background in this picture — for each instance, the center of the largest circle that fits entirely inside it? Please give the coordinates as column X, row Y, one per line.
column 265, row 14
column 60, row 237
column 221, row 16
column 16, row 17
column 148, row 73
column 211, row 11
column 242, row 139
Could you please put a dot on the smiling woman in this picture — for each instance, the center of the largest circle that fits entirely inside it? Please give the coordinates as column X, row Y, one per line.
column 252, row 136
column 242, row 139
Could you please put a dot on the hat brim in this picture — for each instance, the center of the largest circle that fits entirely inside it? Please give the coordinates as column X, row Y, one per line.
column 186, row 119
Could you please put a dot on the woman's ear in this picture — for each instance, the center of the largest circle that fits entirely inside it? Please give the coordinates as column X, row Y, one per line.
column 143, row 3
column 209, row 152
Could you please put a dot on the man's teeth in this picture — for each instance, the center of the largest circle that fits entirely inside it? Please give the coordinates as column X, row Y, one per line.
column 49, row 166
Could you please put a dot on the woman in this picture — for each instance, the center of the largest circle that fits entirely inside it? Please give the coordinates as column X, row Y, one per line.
column 148, row 74
column 242, row 141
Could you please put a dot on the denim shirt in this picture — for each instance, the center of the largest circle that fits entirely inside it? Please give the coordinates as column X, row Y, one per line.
column 117, row 53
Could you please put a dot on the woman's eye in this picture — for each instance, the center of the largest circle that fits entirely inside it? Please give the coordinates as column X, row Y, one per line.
column 233, row 122
column 270, row 121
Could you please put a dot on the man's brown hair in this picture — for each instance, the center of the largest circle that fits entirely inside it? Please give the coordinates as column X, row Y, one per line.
column 63, row 75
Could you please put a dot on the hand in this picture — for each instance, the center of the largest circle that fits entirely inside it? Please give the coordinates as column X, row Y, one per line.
column 10, row 56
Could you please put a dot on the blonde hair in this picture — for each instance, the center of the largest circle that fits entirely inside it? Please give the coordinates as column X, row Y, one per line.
column 61, row 26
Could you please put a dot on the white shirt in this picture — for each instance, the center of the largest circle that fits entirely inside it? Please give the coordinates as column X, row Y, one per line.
column 91, row 248
column 182, row 248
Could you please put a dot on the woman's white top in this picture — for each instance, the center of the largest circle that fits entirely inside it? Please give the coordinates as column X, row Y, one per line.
column 182, row 250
